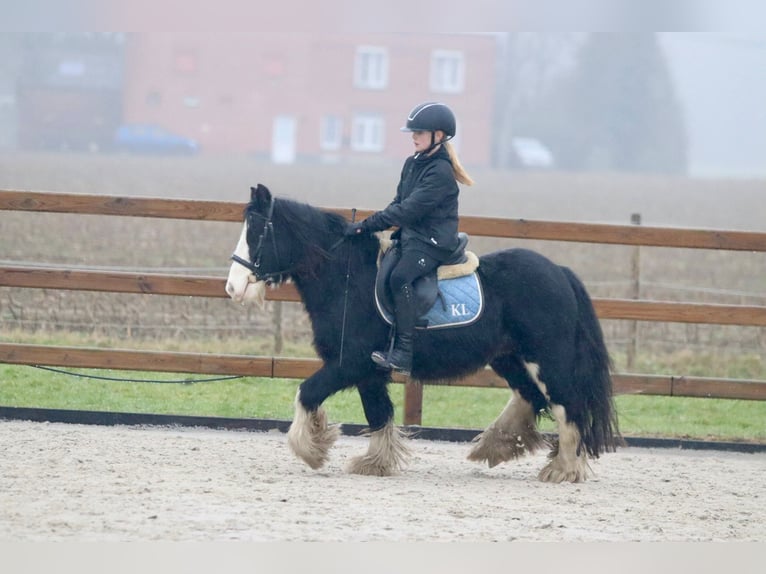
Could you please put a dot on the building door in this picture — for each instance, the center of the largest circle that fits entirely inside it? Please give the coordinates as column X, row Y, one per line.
column 283, row 140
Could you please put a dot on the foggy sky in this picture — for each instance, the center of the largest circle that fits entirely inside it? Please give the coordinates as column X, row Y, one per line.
column 721, row 82
column 720, row 76
column 255, row 16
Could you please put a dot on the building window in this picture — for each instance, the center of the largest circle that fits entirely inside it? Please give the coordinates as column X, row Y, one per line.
column 153, row 98
column 72, row 68
column 447, row 71
column 330, row 133
column 185, row 63
column 371, row 68
column 367, row 133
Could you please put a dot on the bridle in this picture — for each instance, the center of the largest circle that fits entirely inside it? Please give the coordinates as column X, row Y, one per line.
column 255, row 266
column 268, row 232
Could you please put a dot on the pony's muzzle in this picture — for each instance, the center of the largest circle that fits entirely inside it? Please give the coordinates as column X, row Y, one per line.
column 247, row 292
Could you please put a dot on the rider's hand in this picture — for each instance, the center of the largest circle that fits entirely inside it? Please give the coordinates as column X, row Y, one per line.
column 356, row 228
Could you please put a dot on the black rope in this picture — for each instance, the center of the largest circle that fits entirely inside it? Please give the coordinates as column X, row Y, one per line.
column 122, row 380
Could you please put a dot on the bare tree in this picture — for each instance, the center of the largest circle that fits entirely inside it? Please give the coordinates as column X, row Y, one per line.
column 617, row 110
column 529, row 65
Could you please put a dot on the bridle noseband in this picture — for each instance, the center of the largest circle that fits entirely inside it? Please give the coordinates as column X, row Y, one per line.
column 245, row 263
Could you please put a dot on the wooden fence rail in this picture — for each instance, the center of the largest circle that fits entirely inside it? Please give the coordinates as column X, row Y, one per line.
column 297, row 368
column 480, row 226
column 189, row 285
column 202, row 286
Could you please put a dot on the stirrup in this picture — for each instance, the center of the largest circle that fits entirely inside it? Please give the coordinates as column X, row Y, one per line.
column 381, row 360
column 401, row 370
column 387, row 362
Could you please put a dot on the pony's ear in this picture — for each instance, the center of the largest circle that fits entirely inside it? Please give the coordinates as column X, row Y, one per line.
column 260, row 194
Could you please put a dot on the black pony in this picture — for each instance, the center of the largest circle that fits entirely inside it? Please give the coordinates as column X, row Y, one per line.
column 538, row 331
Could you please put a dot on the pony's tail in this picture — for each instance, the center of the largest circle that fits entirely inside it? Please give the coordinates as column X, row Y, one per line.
column 598, row 427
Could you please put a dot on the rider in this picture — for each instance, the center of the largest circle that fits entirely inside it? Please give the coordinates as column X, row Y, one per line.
column 425, row 210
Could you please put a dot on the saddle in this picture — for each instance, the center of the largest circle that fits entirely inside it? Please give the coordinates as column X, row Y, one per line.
column 450, row 295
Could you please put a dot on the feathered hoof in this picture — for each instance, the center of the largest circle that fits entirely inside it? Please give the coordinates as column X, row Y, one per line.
column 387, row 454
column 557, row 470
column 310, row 437
column 369, row 466
column 494, row 446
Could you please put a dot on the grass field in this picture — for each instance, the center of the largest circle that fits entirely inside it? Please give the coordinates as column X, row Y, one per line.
column 451, row 407
column 172, row 323
column 442, row 406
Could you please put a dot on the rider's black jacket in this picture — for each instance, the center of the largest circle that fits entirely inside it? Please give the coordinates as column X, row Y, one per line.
column 425, row 208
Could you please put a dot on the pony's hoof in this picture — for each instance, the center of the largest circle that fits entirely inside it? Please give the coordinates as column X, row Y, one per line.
column 367, row 465
column 494, row 446
column 486, row 452
column 310, row 437
column 557, row 472
column 387, row 454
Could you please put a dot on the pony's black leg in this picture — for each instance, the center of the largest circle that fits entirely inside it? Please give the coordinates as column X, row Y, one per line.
column 310, row 436
column 514, row 432
column 387, row 453
column 376, row 402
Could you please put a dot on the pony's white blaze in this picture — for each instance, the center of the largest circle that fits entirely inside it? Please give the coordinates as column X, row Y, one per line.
column 241, row 285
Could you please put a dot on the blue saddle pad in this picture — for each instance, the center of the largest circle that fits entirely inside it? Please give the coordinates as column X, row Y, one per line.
column 460, row 302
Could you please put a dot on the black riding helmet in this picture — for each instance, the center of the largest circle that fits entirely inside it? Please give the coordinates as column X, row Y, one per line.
column 429, row 117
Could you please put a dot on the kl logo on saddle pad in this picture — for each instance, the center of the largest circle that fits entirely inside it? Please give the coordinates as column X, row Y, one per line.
column 459, row 310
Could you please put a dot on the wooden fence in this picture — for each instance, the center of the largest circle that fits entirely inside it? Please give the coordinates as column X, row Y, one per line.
column 286, row 367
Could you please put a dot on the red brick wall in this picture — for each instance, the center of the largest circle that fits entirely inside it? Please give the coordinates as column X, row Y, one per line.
column 225, row 90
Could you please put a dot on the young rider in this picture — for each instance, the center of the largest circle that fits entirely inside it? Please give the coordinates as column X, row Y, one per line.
column 425, row 210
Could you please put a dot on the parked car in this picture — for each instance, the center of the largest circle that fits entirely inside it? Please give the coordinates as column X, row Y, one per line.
column 151, row 139
column 530, row 153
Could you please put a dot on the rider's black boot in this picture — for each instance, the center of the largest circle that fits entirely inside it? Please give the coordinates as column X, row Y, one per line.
column 400, row 357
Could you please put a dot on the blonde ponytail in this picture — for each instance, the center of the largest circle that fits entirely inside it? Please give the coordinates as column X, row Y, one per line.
column 461, row 175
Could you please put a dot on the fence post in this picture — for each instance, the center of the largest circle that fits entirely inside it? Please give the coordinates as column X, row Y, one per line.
column 278, row 337
column 413, row 402
column 635, row 293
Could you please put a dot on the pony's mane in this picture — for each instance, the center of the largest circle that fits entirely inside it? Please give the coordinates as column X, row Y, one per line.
column 317, row 232
column 307, row 221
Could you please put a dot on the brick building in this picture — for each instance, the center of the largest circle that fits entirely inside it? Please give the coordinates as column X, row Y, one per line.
column 309, row 97
column 67, row 89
